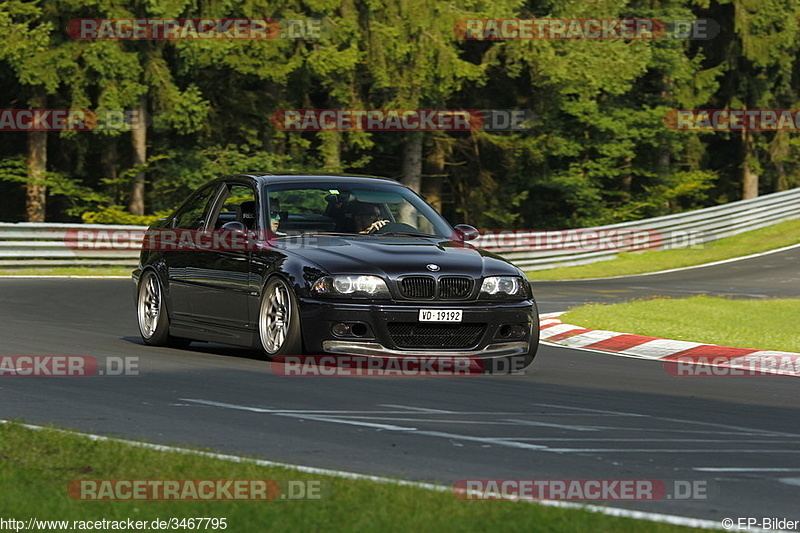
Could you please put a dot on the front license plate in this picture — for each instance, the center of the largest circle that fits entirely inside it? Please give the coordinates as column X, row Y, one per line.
column 440, row 315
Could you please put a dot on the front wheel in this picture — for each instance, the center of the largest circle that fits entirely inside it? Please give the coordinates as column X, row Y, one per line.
column 279, row 320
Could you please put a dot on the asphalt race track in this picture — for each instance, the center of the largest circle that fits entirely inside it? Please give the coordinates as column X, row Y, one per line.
column 573, row 415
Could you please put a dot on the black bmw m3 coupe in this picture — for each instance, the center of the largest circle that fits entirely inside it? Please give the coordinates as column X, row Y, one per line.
column 329, row 265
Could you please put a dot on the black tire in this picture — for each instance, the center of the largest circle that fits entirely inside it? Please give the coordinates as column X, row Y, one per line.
column 279, row 328
column 535, row 331
column 151, row 313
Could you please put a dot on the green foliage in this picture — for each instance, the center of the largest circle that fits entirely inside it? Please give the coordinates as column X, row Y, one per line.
column 183, row 171
column 79, row 197
column 115, row 214
column 599, row 151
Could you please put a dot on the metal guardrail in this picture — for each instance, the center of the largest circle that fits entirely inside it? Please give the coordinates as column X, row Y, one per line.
column 540, row 250
column 42, row 244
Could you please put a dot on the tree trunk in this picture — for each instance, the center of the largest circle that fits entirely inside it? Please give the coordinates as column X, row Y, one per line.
column 778, row 154
column 139, row 142
column 432, row 189
column 412, row 161
column 35, row 189
column 749, row 174
column 110, row 166
column 331, row 150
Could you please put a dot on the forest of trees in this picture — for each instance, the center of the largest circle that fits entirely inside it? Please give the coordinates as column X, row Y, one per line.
column 599, row 151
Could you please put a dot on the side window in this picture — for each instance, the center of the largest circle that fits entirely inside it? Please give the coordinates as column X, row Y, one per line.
column 239, row 205
column 192, row 214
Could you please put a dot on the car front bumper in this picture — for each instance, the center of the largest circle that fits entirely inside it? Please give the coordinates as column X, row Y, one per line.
column 378, row 350
column 318, row 318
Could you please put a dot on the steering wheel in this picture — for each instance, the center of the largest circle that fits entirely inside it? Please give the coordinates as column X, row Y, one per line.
column 398, row 227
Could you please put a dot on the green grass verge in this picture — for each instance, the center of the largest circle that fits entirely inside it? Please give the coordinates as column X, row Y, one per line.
column 38, row 465
column 67, row 271
column 751, row 242
column 757, row 324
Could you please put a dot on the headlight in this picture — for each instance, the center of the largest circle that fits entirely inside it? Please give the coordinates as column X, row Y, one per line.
column 503, row 286
column 355, row 286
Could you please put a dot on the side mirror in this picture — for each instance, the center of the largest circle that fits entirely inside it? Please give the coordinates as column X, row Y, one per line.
column 465, row 232
column 250, row 239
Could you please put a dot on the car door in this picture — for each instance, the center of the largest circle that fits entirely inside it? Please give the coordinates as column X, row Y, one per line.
column 218, row 272
column 176, row 246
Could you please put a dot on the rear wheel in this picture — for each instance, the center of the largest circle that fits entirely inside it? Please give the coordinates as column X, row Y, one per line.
column 279, row 320
column 151, row 312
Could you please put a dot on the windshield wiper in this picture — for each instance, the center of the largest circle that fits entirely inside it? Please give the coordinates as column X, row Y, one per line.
column 407, row 234
column 325, row 232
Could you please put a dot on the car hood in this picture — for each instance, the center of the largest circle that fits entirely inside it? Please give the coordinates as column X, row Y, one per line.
column 396, row 255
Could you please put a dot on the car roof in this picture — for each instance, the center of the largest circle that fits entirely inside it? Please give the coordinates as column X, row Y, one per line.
column 300, row 178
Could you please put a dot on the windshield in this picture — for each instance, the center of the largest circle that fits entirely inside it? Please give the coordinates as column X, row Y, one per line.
column 368, row 209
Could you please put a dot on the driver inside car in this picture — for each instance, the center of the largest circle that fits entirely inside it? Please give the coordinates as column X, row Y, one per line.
column 367, row 218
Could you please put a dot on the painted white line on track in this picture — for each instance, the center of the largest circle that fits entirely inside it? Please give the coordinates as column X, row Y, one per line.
column 350, row 417
column 557, row 426
column 420, row 409
column 682, row 421
column 323, row 412
column 743, row 429
column 436, row 420
column 599, row 439
column 32, row 276
column 334, row 420
column 688, row 432
column 742, row 469
column 562, row 415
column 591, row 411
column 525, row 444
column 681, row 269
column 599, row 509
column 660, row 450
column 484, row 440
column 388, row 427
